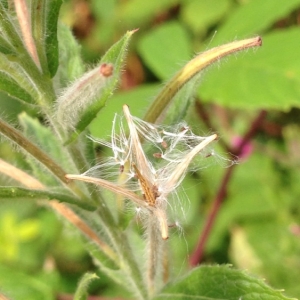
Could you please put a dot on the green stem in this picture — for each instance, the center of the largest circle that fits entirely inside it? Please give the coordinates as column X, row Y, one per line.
column 154, row 247
column 191, row 69
column 18, row 138
column 125, row 253
column 19, row 192
column 8, row 29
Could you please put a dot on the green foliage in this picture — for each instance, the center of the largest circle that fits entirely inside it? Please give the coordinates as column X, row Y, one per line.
column 177, row 49
column 70, row 61
column 219, row 282
column 81, row 293
column 18, row 192
column 18, row 285
column 44, row 16
column 81, row 102
column 200, row 15
column 247, row 16
column 255, row 224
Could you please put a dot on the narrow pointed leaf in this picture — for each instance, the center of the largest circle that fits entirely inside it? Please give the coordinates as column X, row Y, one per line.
column 19, row 192
column 14, row 80
column 45, row 138
column 5, row 46
column 44, row 14
column 219, row 283
column 13, row 89
column 70, row 62
column 7, row 28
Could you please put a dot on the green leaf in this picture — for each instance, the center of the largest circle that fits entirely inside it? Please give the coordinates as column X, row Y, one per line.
column 5, row 3
column 44, row 14
column 274, row 250
column 13, row 89
column 18, row 192
column 70, row 63
column 51, row 43
column 101, row 126
column 18, row 285
column 25, row 144
column 136, row 12
column 243, row 23
column 45, row 138
column 89, row 107
column 266, row 79
column 201, row 14
column 81, row 292
column 6, row 47
column 245, row 202
column 15, row 81
column 219, row 283
column 47, row 142
column 164, row 47
column 8, row 30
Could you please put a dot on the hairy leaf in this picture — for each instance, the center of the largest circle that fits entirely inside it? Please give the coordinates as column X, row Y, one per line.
column 19, row 192
column 88, row 104
column 13, row 89
column 44, row 14
column 70, row 63
column 219, row 283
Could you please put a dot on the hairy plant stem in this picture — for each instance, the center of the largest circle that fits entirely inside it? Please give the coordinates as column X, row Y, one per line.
column 153, row 244
column 191, row 69
column 197, row 255
column 7, row 27
column 30, row 182
column 121, row 252
column 124, row 253
column 18, row 138
column 115, row 245
column 24, row 21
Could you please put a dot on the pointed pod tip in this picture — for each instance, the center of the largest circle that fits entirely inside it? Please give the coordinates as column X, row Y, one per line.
column 259, row 41
column 133, row 30
column 126, row 109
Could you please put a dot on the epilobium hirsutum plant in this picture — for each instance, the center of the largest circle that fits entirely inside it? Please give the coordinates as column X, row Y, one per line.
column 152, row 182
column 41, row 67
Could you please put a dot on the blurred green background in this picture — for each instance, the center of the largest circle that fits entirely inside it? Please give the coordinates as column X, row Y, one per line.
column 258, row 226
